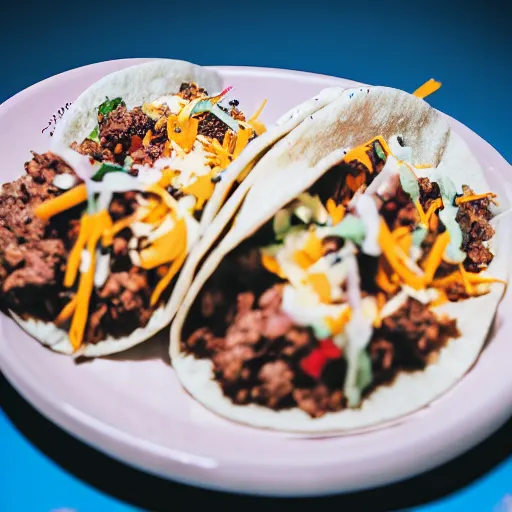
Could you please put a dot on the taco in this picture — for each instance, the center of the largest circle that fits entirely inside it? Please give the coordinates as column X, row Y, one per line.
column 359, row 278
column 95, row 234
column 160, row 115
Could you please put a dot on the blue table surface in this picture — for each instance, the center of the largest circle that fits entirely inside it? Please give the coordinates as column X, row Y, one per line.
column 466, row 45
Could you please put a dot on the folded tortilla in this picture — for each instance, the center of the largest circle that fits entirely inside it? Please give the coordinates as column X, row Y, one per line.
column 313, row 150
column 141, row 84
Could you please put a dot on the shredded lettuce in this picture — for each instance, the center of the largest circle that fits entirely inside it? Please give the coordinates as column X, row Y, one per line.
column 364, row 370
column 105, row 169
column 350, row 228
column 105, row 108
column 409, row 183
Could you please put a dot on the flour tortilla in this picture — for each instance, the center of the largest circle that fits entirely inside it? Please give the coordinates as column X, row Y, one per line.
column 135, row 85
column 298, row 162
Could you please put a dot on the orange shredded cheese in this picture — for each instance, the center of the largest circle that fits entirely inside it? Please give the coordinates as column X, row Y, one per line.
column 313, row 247
column 160, row 123
column 271, row 264
column 157, row 214
column 86, row 227
column 147, row 138
column 66, row 311
column 99, row 221
column 337, row 325
column 321, row 286
column 436, row 204
column 435, row 256
column 465, row 280
column 360, row 153
column 108, row 236
column 166, row 153
column 427, row 89
column 256, row 124
column 220, row 157
column 183, row 132
column 167, row 176
column 242, row 139
column 61, row 203
column 474, row 197
column 166, row 198
column 391, row 252
column 165, row 248
column 441, row 299
column 336, row 211
column 384, row 282
column 401, row 231
column 421, row 213
column 165, row 281
column 473, row 278
column 229, row 141
column 381, row 301
column 202, row 189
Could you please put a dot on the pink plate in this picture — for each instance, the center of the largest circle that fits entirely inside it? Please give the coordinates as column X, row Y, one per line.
column 131, row 406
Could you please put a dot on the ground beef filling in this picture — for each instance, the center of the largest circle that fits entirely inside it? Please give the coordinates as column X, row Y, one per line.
column 408, row 340
column 344, row 179
column 258, row 353
column 33, row 257
column 121, row 131
column 473, row 218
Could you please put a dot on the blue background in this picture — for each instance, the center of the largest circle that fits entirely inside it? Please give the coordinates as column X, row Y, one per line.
column 466, row 45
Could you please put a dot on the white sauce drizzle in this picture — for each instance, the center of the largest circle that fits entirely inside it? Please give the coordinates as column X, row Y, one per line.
column 358, row 331
column 102, row 269
column 85, row 261
column 64, row 181
column 366, row 208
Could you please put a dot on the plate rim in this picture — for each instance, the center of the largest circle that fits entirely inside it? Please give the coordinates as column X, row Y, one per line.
column 127, row 448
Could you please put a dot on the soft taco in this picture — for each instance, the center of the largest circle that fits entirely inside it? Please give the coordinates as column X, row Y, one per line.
column 95, row 234
column 359, row 278
column 178, row 117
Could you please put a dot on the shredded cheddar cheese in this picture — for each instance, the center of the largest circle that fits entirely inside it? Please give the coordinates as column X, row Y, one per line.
column 389, row 249
column 167, row 176
column 321, row 286
column 183, row 132
column 64, row 202
column 384, row 282
column 474, row 197
column 99, row 222
column 86, row 227
column 313, row 247
column 336, row 325
column 271, row 264
column 242, row 139
column 166, row 198
column 435, row 256
column 147, row 138
column 165, row 248
column 166, row 153
column 108, row 236
column 381, row 302
column 165, row 281
column 336, row 211
column 427, row 89
column 465, row 280
column 256, row 124
column 67, row 311
column 202, row 189
column 436, row 204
